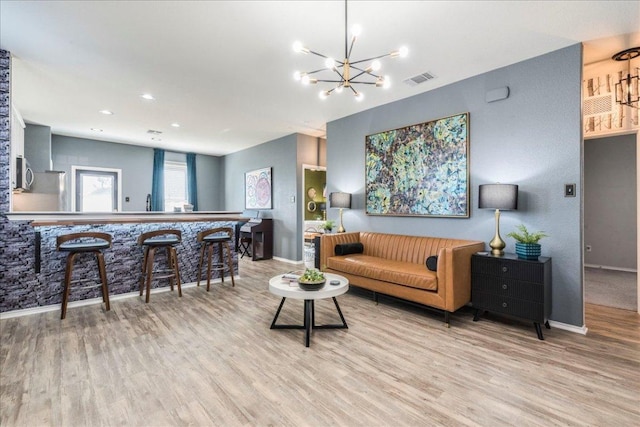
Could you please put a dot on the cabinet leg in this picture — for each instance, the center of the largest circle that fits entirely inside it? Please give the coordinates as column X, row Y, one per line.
column 475, row 315
column 546, row 325
column 446, row 319
column 538, row 330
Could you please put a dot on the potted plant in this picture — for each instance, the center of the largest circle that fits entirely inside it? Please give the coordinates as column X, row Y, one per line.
column 527, row 246
column 328, row 225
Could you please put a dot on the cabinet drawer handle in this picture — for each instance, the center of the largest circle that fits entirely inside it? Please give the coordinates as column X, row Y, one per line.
column 505, row 269
column 504, row 286
column 504, row 305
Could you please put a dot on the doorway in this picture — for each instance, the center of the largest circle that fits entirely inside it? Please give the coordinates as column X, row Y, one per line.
column 611, row 221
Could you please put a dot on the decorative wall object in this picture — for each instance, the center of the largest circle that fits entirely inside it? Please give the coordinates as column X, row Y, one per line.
column 419, row 170
column 257, row 189
column 602, row 115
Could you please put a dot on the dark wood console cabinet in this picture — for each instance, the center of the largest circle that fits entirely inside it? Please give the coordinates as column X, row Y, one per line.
column 512, row 286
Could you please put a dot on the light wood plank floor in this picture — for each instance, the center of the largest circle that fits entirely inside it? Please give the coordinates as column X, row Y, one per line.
column 210, row 359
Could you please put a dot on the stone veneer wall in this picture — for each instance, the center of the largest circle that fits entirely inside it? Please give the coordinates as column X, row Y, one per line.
column 21, row 287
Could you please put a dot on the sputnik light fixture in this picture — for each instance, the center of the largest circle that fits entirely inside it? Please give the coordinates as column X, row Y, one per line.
column 347, row 72
column 627, row 87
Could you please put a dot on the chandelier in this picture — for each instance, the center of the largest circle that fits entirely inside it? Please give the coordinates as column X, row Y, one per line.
column 348, row 72
column 627, row 87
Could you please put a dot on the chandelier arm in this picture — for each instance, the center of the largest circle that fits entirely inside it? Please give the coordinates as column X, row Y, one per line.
column 315, row 71
column 360, row 83
column 365, row 72
column 355, row 92
column 371, row 59
column 318, row 54
column 330, row 81
column 345, row 29
column 353, row 41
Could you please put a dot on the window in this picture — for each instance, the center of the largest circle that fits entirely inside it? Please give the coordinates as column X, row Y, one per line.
column 95, row 189
column 175, row 185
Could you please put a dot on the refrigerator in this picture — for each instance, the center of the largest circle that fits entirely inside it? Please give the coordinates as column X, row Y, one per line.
column 47, row 194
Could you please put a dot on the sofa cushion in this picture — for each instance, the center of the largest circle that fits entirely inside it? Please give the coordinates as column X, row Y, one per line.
column 432, row 263
column 349, row 248
column 402, row 273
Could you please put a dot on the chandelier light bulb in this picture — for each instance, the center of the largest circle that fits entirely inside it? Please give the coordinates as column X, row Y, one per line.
column 298, row 47
column 305, row 79
column 356, row 30
column 404, row 51
column 324, row 94
column 359, row 96
column 376, row 65
column 339, row 88
column 386, row 84
column 297, row 75
column 330, row 63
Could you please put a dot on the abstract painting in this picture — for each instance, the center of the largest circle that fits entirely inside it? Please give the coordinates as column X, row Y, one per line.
column 419, row 170
column 257, row 189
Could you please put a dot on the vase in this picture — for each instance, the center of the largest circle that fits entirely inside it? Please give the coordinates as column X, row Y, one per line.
column 530, row 251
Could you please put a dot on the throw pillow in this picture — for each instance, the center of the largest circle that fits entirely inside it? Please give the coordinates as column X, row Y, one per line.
column 349, row 248
column 432, row 263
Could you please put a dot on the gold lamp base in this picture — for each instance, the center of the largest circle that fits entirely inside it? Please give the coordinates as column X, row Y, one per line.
column 497, row 244
column 341, row 228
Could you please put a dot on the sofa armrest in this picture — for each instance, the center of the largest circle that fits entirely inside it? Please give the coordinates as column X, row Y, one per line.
column 328, row 244
column 455, row 273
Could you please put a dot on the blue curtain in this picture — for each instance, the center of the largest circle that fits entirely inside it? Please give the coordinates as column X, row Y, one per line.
column 157, row 183
column 192, row 185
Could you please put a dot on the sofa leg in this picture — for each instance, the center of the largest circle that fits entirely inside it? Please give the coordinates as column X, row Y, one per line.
column 375, row 297
column 446, row 319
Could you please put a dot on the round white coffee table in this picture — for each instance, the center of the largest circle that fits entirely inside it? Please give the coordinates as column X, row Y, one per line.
column 285, row 289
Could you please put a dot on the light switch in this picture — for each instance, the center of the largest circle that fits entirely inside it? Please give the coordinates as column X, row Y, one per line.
column 569, row 190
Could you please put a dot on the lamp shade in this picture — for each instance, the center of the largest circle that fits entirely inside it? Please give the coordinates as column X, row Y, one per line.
column 498, row 196
column 340, row 200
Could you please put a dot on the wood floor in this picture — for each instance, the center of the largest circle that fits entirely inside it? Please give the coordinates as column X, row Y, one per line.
column 210, row 359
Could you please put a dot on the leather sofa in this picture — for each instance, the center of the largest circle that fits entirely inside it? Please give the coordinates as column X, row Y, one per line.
column 395, row 265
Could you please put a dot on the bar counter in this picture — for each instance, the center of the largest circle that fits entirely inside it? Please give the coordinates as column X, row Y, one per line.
column 35, row 269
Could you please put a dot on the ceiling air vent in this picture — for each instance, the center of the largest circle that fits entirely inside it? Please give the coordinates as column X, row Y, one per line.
column 420, row 78
column 154, row 132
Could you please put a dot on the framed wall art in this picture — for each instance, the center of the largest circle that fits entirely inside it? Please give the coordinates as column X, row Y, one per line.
column 419, row 170
column 257, row 189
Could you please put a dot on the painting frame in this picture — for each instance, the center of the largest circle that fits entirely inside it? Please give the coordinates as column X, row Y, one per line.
column 258, row 189
column 420, row 170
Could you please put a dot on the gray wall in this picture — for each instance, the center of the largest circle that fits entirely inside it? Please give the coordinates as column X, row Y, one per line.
column 610, row 196
column 532, row 139
column 37, row 147
column 281, row 155
column 137, row 166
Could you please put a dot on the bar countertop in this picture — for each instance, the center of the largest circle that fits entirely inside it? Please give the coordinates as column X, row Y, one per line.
column 85, row 218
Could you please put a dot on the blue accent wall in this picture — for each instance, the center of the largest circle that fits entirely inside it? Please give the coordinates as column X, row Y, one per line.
column 533, row 139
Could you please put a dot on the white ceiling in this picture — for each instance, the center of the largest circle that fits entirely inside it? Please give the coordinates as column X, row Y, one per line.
column 223, row 69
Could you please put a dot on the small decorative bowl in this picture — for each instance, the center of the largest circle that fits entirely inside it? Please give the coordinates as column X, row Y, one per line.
column 311, row 286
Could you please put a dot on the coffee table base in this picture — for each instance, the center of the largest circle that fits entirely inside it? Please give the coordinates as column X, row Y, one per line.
column 309, row 319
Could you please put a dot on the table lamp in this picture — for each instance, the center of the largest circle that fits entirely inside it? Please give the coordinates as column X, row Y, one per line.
column 498, row 196
column 342, row 201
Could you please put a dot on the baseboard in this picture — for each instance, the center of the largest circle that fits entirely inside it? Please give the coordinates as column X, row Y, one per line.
column 92, row 301
column 288, row 261
column 606, row 267
column 571, row 328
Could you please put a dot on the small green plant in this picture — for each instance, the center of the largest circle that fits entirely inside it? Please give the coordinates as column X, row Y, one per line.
column 525, row 237
column 328, row 225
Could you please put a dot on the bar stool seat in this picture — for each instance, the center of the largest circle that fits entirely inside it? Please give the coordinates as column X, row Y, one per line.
column 79, row 243
column 222, row 237
column 150, row 241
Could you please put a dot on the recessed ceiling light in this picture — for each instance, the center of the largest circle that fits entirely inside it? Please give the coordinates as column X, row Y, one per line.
column 106, row 112
column 148, row 96
column 96, row 130
column 175, row 125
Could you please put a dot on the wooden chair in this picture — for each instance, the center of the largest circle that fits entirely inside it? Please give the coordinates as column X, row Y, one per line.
column 222, row 237
column 150, row 241
column 81, row 243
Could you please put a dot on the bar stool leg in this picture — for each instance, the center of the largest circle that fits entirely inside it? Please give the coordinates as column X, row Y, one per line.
column 144, row 268
column 103, row 279
column 170, row 261
column 209, row 256
column 149, row 268
column 221, row 261
column 176, row 268
column 230, row 261
column 200, row 262
column 68, row 272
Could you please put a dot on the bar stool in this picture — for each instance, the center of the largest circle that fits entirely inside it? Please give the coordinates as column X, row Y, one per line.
column 221, row 236
column 150, row 241
column 81, row 243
